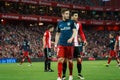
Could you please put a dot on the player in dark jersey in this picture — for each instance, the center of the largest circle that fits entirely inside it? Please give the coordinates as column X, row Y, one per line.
column 112, row 51
column 65, row 34
column 78, row 47
column 47, row 48
column 25, row 51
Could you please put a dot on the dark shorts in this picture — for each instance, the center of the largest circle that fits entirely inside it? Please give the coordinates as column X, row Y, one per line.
column 65, row 52
column 47, row 52
column 76, row 52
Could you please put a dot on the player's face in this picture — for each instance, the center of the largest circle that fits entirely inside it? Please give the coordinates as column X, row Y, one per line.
column 66, row 15
column 75, row 16
column 110, row 36
column 52, row 29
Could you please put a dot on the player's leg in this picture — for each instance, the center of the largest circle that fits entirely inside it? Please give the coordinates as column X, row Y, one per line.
column 70, row 69
column 77, row 55
column 29, row 60
column 110, row 57
column 69, row 52
column 60, row 67
column 27, row 56
column 79, row 68
column 60, row 55
column 119, row 53
column 79, row 65
column 49, row 60
column 117, row 58
column 46, row 60
column 64, row 69
column 23, row 58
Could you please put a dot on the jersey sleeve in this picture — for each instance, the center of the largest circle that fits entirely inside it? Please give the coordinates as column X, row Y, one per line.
column 81, row 33
column 73, row 25
column 45, row 34
column 57, row 28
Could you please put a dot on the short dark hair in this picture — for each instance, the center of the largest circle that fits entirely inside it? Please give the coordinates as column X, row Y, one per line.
column 112, row 34
column 50, row 26
column 64, row 10
column 74, row 12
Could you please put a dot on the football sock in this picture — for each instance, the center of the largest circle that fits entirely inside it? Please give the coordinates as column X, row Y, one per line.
column 79, row 67
column 46, row 62
column 109, row 60
column 60, row 66
column 64, row 68
column 49, row 64
column 70, row 68
column 117, row 59
column 29, row 60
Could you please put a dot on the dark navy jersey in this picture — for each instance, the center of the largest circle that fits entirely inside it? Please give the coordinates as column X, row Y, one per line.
column 112, row 43
column 25, row 45
column 81, row 46
column 65, row 28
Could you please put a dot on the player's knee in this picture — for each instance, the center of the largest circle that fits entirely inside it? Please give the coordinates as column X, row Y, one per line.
column 70, row 60
column 79, row 60
column 65, row 60
column 110, row 56
column 61, row 60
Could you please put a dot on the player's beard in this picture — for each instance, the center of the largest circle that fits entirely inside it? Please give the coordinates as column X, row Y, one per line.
column 65, row 17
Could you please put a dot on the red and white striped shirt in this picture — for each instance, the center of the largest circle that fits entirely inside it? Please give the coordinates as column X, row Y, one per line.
column 80, row 32
column 118, row 40
column 47, row 36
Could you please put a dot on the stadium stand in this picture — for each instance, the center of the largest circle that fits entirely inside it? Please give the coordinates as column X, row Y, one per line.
column 11, row 34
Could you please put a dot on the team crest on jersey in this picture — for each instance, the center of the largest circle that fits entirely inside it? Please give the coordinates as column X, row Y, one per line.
column 68, row 23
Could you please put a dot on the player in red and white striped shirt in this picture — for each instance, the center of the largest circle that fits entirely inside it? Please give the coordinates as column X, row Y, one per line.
column 47, row 48
column 74, row 16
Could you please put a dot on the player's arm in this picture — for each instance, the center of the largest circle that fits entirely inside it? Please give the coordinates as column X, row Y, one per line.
column 84, row 46
column 57, row 36
column 73, row 34
column 52, row 42
column 116, row 42
column 29, row 46
column 44, row 39
column 81, row 33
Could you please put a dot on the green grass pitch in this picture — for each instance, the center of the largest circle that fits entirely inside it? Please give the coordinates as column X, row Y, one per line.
column 92, row 70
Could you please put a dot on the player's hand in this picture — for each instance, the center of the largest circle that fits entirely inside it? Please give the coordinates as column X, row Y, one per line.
column 55, row 48
column 86, row 43
column 43, row 48
column 70, row 40
column 115, row 49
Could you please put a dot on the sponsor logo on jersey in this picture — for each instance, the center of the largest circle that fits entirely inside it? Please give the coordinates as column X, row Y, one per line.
column 68, row 23
column 65, row 28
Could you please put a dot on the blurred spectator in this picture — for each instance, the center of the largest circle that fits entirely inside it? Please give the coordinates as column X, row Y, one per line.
column 12, row 36
column 22, row 8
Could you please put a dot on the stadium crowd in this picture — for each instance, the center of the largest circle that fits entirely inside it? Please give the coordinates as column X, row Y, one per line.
column 81, row 2
column 31, row 9
column 11, row 38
